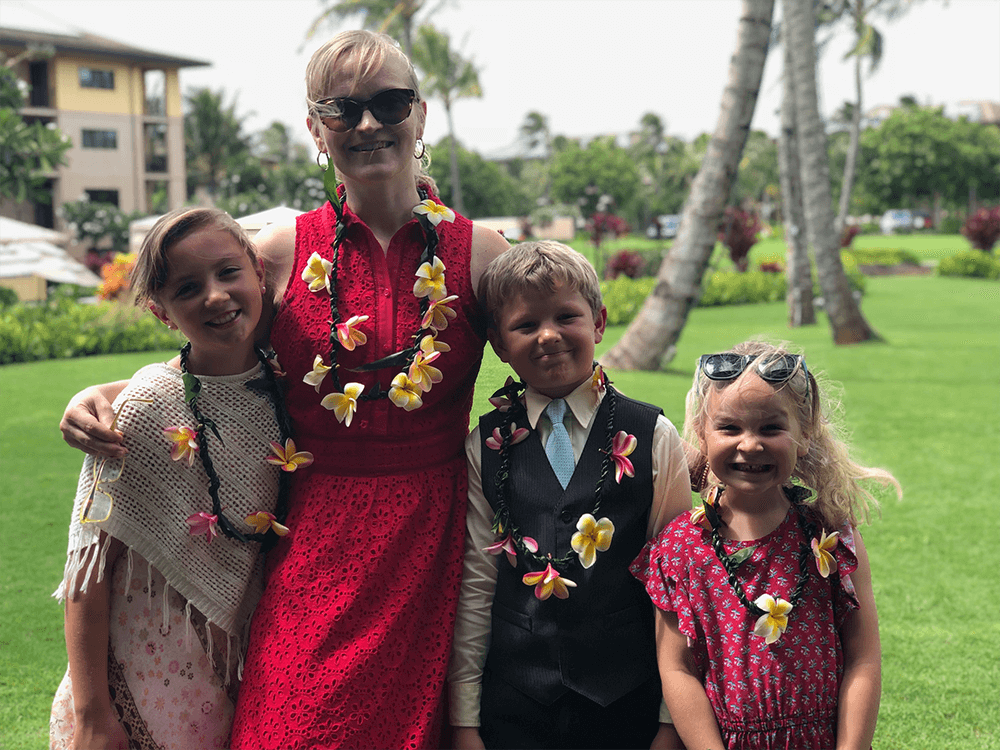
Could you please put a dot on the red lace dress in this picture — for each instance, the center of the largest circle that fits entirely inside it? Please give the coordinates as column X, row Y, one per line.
column 350, row 643
column 782, row 695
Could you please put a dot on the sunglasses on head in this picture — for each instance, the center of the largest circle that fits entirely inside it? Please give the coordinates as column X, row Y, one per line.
column 389, row 107
column 772, row 368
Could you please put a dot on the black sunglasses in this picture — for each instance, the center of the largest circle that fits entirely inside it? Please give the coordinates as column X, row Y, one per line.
column 776, row 368
column 389, row 107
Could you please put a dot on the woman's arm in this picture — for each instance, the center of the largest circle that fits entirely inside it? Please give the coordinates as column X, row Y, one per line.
column 861, row 688
column 276, row 249
column 693, row 716
column 86, row 423
column 486, row 245
column 87, row 630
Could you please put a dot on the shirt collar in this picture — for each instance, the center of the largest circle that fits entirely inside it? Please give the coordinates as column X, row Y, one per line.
column 582, row 403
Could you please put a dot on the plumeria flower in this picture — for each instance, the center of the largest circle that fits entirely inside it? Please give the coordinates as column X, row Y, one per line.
column 774, row 621
column 315, row 376
column 517, row 434
column 501, row 401
column 823, row 548
column 185, row 443
column 507, row 545
column 344, row 404
column 204, row 523
column 621, row 448
column 261, row 521
column 430, row 281
column 430, row 344
column 275, row 367
column 597, row 381
column 438, row 314
column 349, row 334
column 288, row 458
column 422, row 373
column 592, row 536
column 547, row 583
column 317, row 273
column 698, row 515
column 435, row 212
column 404, row 393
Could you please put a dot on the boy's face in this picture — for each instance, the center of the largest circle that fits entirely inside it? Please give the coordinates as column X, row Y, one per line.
column 549, row 338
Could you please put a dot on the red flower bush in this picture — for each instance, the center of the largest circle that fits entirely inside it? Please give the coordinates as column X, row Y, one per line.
column 627, row 262
column 848, row 234
column 739, row 233
column 982, row 229
column 602, row 224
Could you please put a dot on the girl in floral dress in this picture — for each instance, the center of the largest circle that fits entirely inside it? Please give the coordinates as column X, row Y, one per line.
column 164, row 565
column 767, row 630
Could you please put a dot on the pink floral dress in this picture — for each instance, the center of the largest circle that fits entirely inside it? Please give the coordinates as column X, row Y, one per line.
column 782, row 695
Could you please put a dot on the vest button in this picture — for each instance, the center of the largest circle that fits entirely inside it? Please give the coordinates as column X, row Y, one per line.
column 566, row 516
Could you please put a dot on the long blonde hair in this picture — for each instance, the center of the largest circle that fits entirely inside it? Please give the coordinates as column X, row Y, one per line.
column 840, row 484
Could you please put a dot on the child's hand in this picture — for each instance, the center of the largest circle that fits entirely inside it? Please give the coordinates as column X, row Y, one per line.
column 104, row 733
column 667, row 739
column 467, row 738
column 86, row 424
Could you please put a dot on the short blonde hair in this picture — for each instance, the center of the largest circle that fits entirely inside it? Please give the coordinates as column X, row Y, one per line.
column 152, row 263
column 537, row 266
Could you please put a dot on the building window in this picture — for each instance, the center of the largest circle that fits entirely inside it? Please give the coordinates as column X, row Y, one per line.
column 156, row 147
column 95, row 78
column 100, row 139
column 103, row 196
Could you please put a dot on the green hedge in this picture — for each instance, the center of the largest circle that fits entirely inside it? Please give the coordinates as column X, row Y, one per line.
column 64, row 328
column 881, row 256
column 972, row 263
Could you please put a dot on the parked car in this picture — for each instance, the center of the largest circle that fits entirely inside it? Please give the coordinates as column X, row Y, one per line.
column 896, row 220
column 664, row 227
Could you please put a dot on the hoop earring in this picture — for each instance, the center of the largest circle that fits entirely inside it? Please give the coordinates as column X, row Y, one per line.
column 419, row 149
column 322, row 166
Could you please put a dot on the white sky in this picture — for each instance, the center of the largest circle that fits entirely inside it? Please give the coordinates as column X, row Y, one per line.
column 590, row 66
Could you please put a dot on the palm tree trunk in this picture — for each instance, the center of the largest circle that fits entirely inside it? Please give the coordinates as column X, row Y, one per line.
column 799, row 272
column 456, row 182
column 848, row 324
column 649, row 342
column 852, row 153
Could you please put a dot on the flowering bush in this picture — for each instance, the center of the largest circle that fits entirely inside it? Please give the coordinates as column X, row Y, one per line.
column 982, row 229
column 116, row 276
column 848, row 234
column 739, row 233
column 627, row 262
column 603, row 223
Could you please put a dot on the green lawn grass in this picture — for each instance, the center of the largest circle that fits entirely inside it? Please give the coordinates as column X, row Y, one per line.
column 925, row 404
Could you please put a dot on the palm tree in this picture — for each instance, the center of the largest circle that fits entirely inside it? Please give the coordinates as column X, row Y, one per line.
column 213, row 137
column 449, row 77
column 848, row 324
column 649, row 341
column 393, row 17
column 535, row 132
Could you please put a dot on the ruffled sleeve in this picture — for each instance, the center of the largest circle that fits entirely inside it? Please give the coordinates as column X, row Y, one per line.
column 845, row 599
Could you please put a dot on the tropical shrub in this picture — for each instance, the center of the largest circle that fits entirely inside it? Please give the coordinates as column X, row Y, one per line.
column 881, row 256
column 8, row 297
column 848, row 234
column 982, row 229
column 738, row 232
column 972, row 263
column 116, row 276
column 627, row 262
column 950, row 224
column 603, row 223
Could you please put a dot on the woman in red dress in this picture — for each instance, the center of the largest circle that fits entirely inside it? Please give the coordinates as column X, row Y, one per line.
column 350, row 642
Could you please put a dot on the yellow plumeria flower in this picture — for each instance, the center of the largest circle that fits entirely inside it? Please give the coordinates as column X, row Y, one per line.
column 430, row 281
column 597, row 381
column 774, row 621
column 344, row 404
column 261, row 521
column 287, row 457
column 438, row 314
column 435, row 212
column 315, row 376
column 404, row 393
column 317, row 273
column 185, row 443
column 547, row 583
column 422, row 373
column 592, row 536
column 823, row 551
column 348, row 332
column 429, row 344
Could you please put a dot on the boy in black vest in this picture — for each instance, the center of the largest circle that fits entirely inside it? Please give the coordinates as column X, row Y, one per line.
column 554, row 644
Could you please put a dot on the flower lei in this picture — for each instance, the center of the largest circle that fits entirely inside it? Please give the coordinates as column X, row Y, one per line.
column 417, row 374
column 771, row 611
column 267, row 526
column 592, row 535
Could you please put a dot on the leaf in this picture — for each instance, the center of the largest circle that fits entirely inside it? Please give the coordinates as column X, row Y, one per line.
column 192, row 387
column 330, row 186
column 398, row 360
column 740, row 556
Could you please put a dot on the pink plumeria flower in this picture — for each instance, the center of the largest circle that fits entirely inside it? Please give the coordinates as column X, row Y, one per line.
column 597, row 381
column 422, row 372
column 185, row 443
column 435, row 212
column 204, row 523
column 319, row 371
column 261, row 521
column 344, row 404
column 438, row 314
column 517, row 434
column 507, row 545
column 699, row 516
column 502, row 403
column 592, row 536
column 430, row 281
column 275, row 367
column 823, row 549
column 404, row 393
column 548, row 582
column 429, row 344
column 348, row 332
column 317, row 273
column 774, row 621
column 622, row 447
column 287, row 457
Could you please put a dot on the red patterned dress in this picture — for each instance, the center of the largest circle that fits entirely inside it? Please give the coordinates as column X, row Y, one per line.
column 782, row 695
column 350, row 643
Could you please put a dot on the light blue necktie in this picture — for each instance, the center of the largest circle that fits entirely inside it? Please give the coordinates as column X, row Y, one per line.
column 559, row 449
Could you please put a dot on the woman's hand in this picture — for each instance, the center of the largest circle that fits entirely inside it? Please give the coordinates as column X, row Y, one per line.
column 86, row 423
column 467, row 738
column 104, row 733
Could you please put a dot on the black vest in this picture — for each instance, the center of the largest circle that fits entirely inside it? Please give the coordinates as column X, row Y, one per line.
column 599, row 642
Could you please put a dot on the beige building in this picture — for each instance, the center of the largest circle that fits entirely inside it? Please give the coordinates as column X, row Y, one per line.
column 121, row 108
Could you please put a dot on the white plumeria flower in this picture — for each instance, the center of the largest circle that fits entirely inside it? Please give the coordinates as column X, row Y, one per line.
column 774, row 621
column 430, row 281
column 317, row 273
column 315, row 376
column 343, row 404
column 435, row 212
